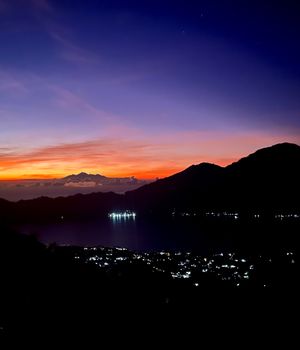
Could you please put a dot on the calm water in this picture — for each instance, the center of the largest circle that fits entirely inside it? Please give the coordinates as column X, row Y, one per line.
column 133, row 234
column 173, row 234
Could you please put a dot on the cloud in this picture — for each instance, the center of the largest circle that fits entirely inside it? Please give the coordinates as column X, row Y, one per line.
column 46, row 14
column 3, row 6
column 12, row 84
column 70, row 51
column 42, row 5
column 142, row 156
column 73, row 102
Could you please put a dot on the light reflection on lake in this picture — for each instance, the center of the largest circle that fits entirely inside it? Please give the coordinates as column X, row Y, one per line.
column 183, row 234
column 132, row 233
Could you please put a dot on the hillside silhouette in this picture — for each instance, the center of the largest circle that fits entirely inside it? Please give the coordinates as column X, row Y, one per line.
column 267, row 180
column 46, row 291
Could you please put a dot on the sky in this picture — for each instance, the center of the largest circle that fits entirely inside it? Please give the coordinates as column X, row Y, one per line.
column 144, row 88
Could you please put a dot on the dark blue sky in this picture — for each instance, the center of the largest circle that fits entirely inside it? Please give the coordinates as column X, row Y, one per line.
column 144, row 87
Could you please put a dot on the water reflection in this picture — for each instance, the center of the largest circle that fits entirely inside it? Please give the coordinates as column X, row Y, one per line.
column 131, row 232
column 122, row 215
column 136, row 233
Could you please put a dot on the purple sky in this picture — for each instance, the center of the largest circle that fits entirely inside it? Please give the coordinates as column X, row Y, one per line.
column 144, row 88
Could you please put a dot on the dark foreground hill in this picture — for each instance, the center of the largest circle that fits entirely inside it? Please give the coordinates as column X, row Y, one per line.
column 267, row 180
column 53, row 292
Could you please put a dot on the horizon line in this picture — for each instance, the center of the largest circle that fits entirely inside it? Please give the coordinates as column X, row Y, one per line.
column 140, row 174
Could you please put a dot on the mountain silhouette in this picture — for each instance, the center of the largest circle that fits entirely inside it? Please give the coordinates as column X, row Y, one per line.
column 98, row 179
column 180, row 190
column 266, row 180
column 84, row 177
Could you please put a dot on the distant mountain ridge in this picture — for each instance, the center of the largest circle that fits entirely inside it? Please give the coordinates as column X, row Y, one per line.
column 67, row 186
column 83, row 177
column 98, row 179
column 267, row 180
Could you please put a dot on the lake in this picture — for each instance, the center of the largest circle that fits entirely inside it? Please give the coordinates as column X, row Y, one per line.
column 170, row 234
column 134, row 234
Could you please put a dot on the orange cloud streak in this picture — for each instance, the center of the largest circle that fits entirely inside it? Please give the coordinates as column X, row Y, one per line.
column 141, row 156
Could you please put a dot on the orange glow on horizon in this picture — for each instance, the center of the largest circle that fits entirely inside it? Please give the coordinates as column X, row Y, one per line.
column 142, row 174
column 144, row 158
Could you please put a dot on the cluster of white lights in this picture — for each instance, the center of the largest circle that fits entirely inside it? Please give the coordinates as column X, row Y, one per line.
column 186, row 274
column 285, row 216
column 122, row 215
column 225, row 213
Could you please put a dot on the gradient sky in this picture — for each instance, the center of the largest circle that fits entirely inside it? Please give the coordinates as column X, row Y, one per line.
column 144, row 88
